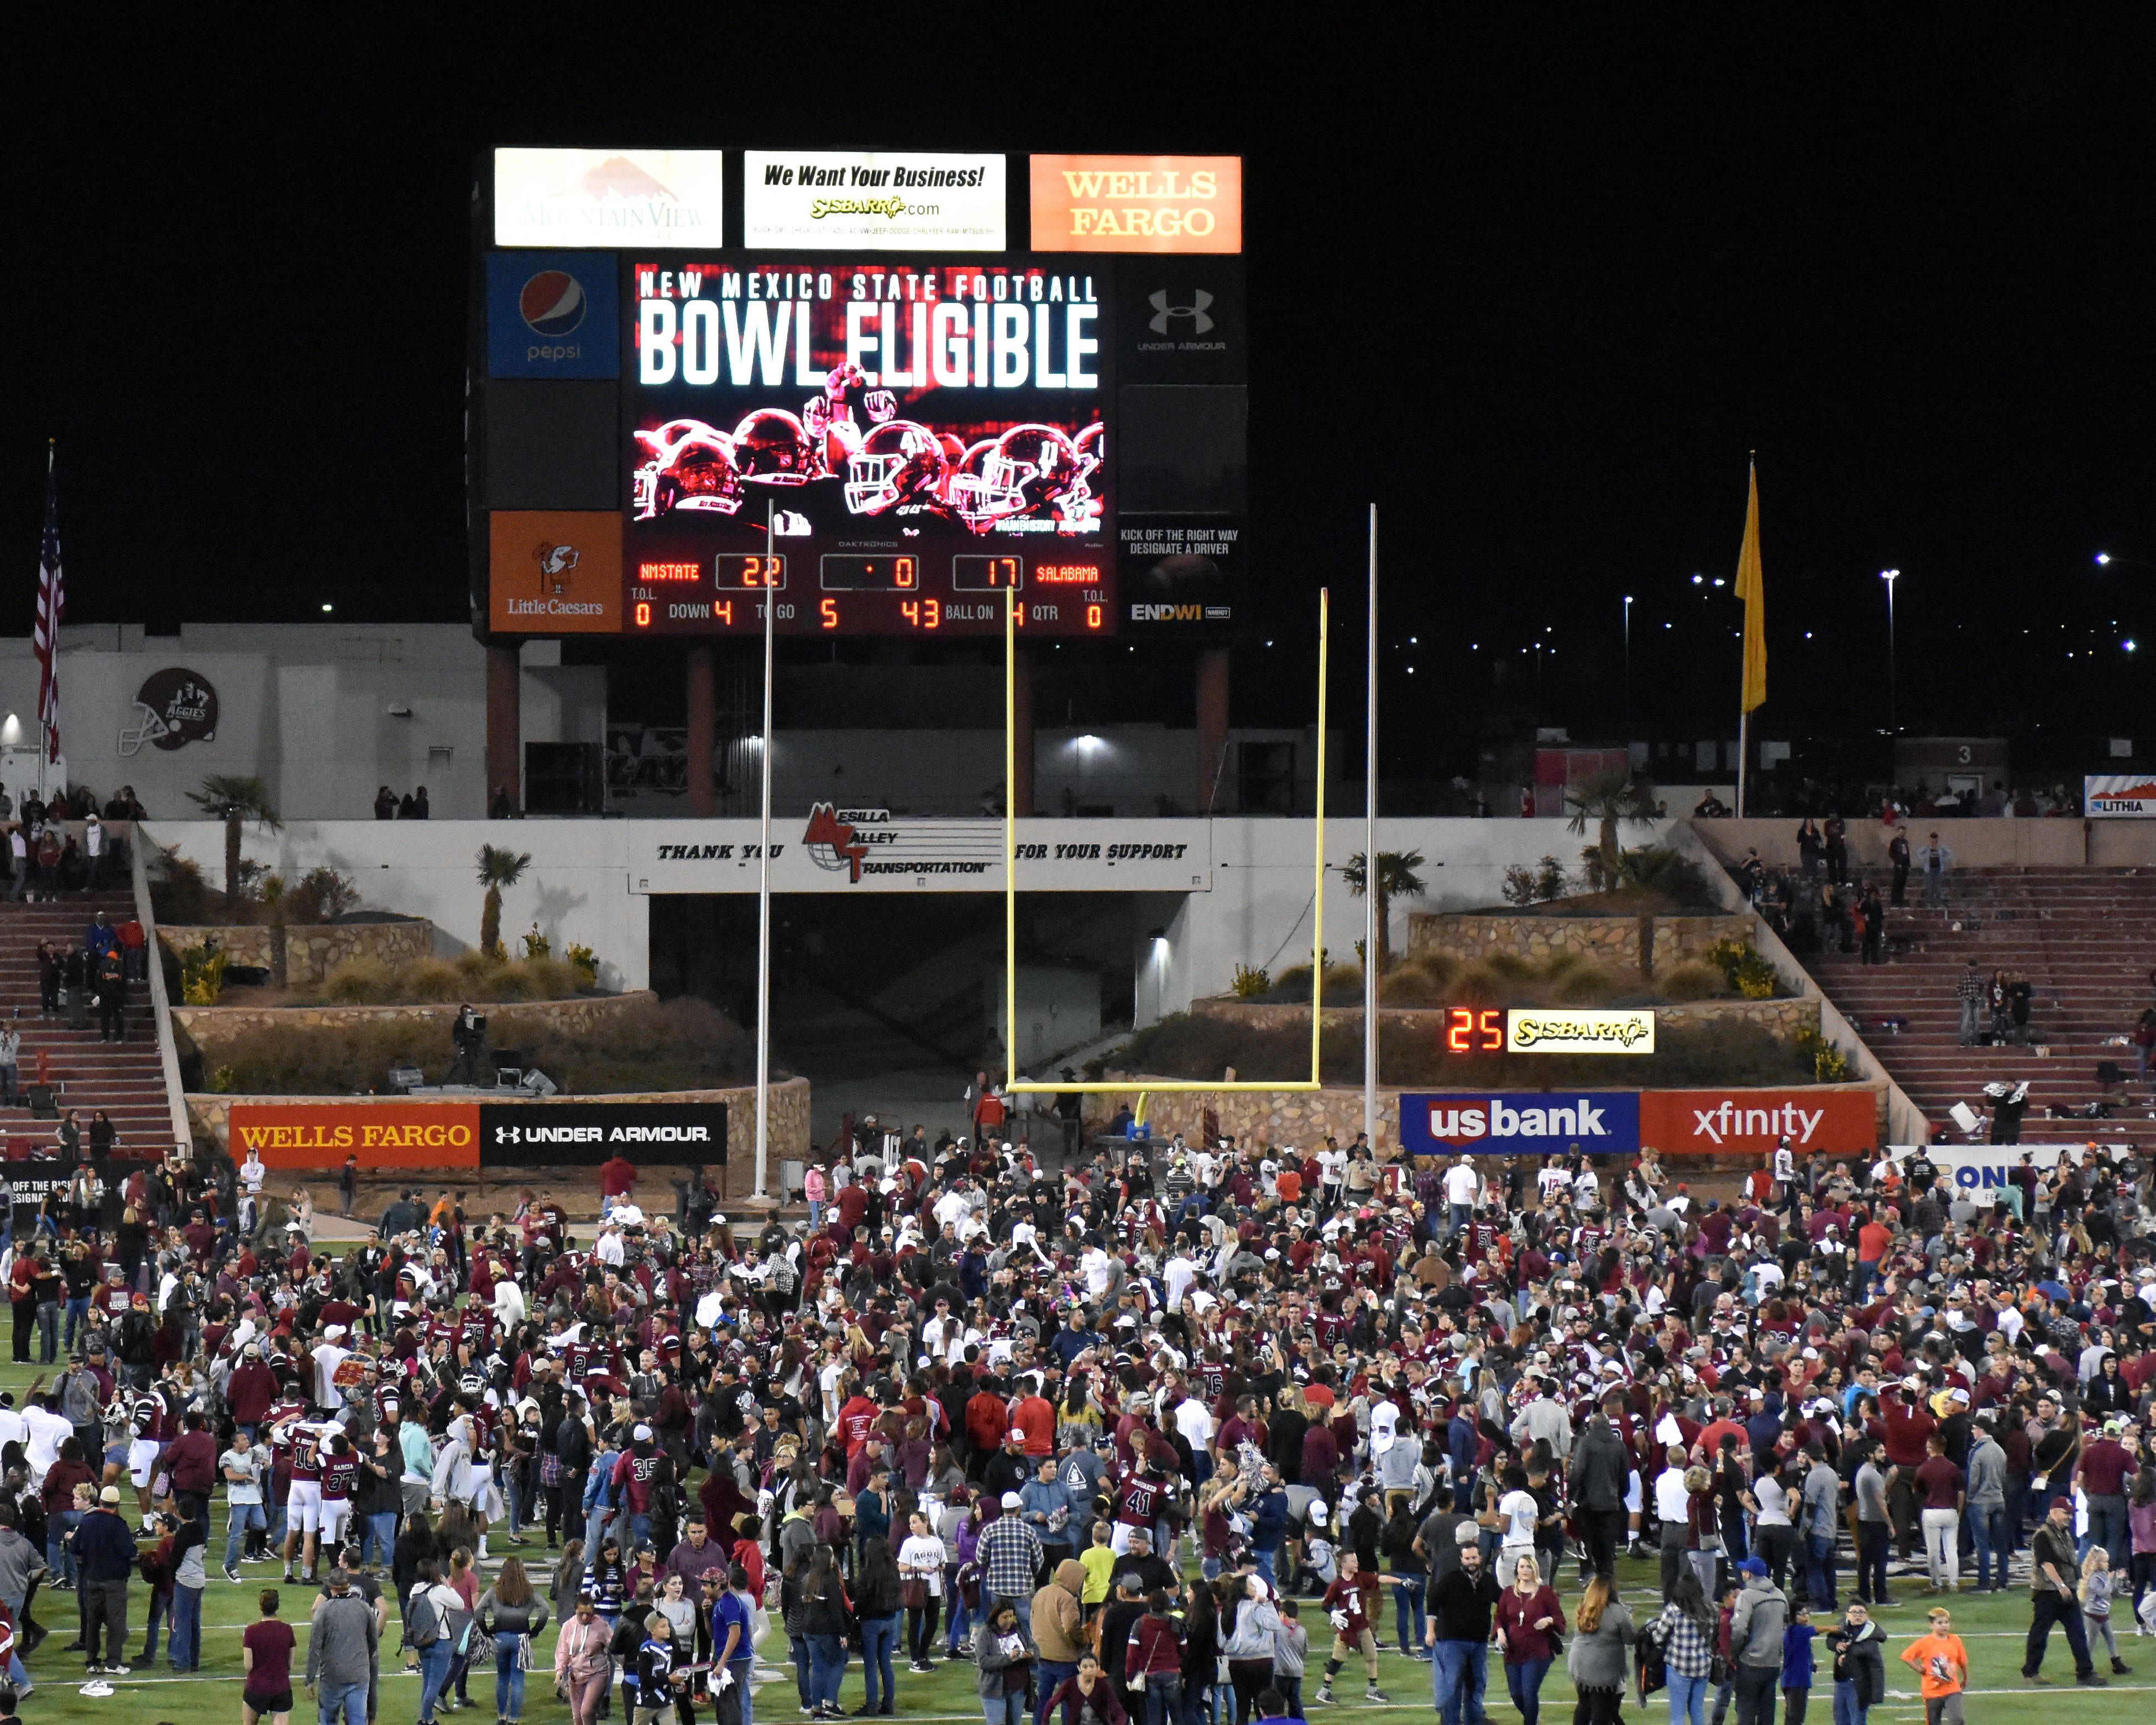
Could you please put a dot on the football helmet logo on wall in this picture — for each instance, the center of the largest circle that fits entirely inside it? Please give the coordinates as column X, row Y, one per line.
column 1031, row 470
column 899, row 466
column 689, row 466
column 173, row 708
column 771, row 448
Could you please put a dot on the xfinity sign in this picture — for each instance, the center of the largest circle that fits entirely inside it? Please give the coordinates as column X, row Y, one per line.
column 1543, row 1123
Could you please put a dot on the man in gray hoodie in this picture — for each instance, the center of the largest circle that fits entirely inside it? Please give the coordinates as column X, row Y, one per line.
column 1755, row 1642
column 340, row 1653
column 1986, row 1509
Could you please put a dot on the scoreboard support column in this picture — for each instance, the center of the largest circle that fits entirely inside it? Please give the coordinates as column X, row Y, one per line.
column 703, row 719
column 1212, row 726
column 505, row 720
column 1022, row 732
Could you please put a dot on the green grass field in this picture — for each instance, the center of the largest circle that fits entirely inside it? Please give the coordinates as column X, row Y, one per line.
column 1993, row 1627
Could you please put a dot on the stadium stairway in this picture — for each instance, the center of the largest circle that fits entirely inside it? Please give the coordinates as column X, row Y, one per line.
column 2084, row 938
column 126, row 1080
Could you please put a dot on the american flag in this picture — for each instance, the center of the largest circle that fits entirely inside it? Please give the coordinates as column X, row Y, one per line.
column 51, row 606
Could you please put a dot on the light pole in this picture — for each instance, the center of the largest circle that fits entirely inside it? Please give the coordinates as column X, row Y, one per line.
column 1628, row 667
column 1889, row 577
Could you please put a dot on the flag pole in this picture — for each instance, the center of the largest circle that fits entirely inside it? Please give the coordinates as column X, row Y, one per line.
column 763, row 879
column 1370, row 943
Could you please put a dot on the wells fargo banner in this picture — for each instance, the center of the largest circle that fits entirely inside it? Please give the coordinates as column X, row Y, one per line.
column 1138, row 203
column 1752, row 1122
column 382, row 1134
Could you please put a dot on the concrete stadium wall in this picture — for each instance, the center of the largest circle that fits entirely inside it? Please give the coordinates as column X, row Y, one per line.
column 577, row 889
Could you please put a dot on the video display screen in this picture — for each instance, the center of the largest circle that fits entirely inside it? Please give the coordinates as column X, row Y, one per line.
column 916, row 437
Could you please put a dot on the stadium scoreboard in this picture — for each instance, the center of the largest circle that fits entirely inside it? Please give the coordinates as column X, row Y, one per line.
column 894, row 424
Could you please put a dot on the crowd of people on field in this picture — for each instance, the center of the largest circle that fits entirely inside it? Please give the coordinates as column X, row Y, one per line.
column 1151, row 1437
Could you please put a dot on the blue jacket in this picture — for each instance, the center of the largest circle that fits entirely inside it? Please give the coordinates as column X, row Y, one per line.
column 1269, row 1521
column 103, row 1549
column 1046, row 1500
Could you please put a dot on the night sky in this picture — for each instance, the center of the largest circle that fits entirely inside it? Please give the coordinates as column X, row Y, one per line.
column 1534, row 286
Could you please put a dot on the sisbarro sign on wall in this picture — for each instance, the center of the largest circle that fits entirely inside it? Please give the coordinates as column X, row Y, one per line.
column 1578, row 1030
column 883, row 200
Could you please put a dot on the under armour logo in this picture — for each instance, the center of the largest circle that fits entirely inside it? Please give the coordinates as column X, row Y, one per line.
column 1195, row 311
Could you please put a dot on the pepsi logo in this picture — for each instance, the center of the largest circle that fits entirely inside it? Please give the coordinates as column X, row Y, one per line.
column 552, row 302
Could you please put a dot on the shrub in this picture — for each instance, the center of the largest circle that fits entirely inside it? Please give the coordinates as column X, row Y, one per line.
column 536, row 945
column 1586, row 985
column 202, row 975
column 1519, row 885
column 1830, row 1065
column 1747, row 972
column 1549, row 878
column 321, row 895
column 582, row 961
column 1248, row 983
column 359, row 981
column 1199, row 1047
column 651, row 1045
column 1670, row 873
column 1693, row 980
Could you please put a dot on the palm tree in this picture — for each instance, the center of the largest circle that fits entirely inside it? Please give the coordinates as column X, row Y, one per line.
column 498, row 867
column 273, row 898
column 235, row 801
column 1396, row 878
column 1607, row 798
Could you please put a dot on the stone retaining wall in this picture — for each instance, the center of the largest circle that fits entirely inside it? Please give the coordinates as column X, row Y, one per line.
column 1783, row 1018
column 1614, row 940
column 212, row 1027
column 210, row 1116
column 313, row 949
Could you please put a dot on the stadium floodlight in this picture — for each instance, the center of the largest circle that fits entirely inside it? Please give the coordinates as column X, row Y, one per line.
column 1013, row 1084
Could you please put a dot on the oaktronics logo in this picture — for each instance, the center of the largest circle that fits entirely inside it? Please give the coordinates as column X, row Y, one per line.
column 552, row 303
column 1165, row 314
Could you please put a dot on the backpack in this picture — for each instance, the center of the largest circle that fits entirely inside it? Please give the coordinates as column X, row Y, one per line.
column 422, row 1622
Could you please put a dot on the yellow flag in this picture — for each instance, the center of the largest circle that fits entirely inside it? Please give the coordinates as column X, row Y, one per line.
column 1752, row 589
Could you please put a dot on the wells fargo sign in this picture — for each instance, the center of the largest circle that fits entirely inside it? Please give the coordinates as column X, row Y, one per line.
column 384, row 1134
column 1138, row 203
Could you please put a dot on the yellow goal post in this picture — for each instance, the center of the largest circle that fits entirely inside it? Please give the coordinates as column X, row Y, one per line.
column 1015, row 1085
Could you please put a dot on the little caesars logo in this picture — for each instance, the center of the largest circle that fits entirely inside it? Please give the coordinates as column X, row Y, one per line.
column 557, row 566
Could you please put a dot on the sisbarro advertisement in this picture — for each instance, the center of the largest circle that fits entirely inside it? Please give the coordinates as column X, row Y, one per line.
column 1572, row 1029
column 882, row 200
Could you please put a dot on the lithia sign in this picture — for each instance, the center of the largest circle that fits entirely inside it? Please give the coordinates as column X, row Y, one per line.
column 849, row 849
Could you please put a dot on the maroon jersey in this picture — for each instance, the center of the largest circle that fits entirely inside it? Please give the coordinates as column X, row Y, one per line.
column 338, row 1474
column 310, row 1442
column 1138, row 1502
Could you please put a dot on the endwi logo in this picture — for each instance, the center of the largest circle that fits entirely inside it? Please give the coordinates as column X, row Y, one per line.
column 832, row 842
column 1163, row 313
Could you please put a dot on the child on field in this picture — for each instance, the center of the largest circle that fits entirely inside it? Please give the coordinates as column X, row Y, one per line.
column 1797, row 1664
column 2096, row 1583
column 1098, row 1562
column 1942, row 1662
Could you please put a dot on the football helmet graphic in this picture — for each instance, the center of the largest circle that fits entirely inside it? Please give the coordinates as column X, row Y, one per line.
column 772, row 448
column 900, row 466
column 1034, row 471
column 689, row 466
column 172, row 709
